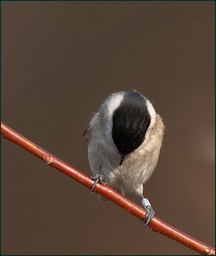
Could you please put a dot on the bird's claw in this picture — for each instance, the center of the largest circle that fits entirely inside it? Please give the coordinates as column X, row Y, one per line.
column 149, row 215
column 97, row 178
column 149, row 211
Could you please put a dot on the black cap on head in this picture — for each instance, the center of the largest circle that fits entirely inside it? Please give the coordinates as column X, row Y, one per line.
column 130, row 123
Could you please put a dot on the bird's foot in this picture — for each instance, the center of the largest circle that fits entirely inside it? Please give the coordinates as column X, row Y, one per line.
column 97, row 178
column 149, row 211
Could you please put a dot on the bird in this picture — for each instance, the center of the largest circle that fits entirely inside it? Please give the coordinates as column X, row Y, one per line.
column 124, row 140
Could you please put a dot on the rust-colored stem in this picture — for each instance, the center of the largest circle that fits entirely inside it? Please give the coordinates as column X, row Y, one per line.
column 156, row 224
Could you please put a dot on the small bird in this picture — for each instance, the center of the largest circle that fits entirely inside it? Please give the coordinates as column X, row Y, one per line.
column 124, row 140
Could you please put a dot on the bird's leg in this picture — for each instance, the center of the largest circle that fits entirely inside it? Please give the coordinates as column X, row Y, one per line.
column 149, row 211
column 97, row 178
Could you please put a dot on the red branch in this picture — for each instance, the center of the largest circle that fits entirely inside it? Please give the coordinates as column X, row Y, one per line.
column 156, row 224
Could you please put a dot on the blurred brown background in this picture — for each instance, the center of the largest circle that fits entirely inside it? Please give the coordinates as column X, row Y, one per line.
column 60, row 60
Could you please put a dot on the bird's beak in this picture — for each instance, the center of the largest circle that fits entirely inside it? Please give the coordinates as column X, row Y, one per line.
column 121, row 159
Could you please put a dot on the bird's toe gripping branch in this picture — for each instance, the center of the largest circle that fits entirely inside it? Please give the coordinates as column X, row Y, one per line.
column 97, row 178
column 149, row 211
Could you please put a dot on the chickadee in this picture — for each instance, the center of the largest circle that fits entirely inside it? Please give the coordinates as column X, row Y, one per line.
column 124, row 140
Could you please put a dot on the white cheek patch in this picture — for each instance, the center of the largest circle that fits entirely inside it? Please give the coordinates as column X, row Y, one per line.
column 113, row 103
column 152, row 113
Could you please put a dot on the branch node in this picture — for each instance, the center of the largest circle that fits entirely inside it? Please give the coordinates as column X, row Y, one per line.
column 48, row 159
column 209, row 251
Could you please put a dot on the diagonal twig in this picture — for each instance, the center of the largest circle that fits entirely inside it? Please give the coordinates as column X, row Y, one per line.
column 156, row 224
